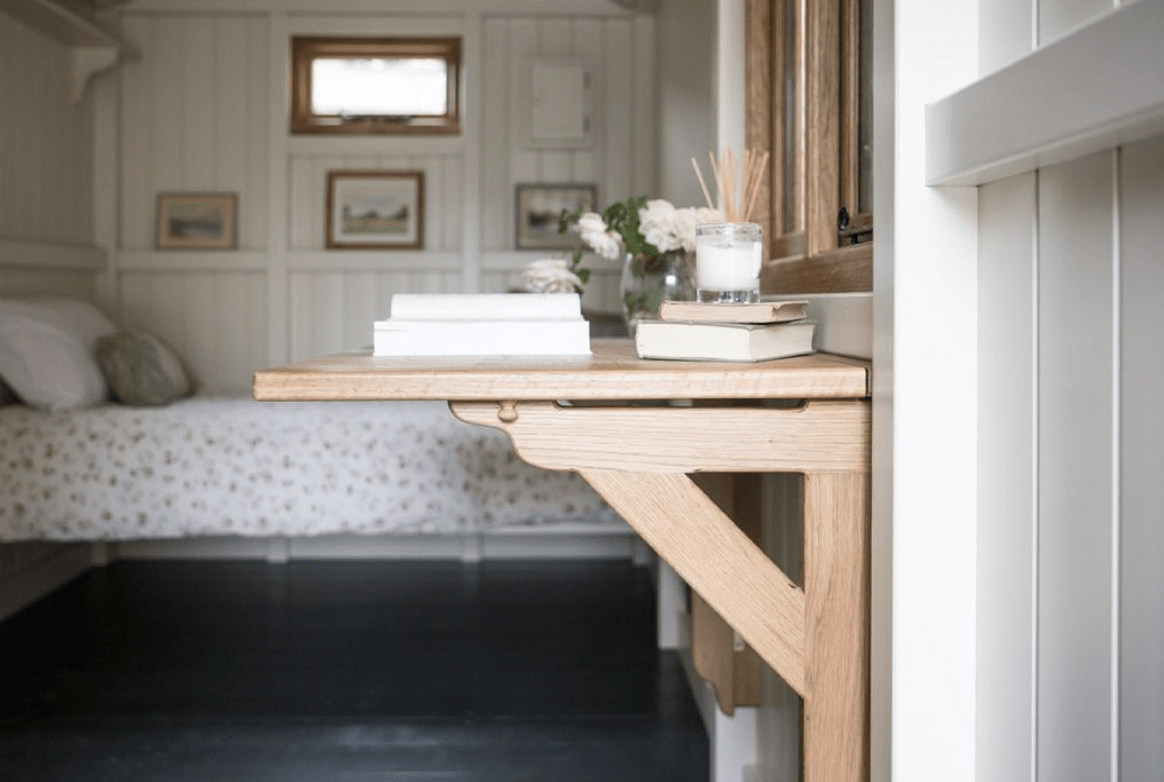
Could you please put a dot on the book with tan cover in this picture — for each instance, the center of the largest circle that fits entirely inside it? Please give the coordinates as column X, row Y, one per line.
column 754, row 312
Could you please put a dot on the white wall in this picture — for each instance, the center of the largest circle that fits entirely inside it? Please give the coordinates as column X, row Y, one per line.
column 203, row 108
column 1071, row 600
column 46, row 199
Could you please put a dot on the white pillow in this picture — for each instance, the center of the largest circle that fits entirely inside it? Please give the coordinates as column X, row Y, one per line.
column 48, row 352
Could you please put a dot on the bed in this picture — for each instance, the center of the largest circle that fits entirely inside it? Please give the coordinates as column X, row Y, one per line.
column 211, row 466
column 79, row 465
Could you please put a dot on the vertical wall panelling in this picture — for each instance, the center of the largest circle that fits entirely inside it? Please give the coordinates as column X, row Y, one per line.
column 136, row 188
column 166, row 118
column 45, row 142
column 465, row 232
column 521, row 45
column 200, row 106
column 1075, row 470
column 494, row 195
column 1141, row 622
column 204, row 107
column 277, row 100
column 619, row 124
column 254, row 213
column 226, row 166
column 589, row 43
column 1009, row 35
column 1007, row 524
column 643, row 67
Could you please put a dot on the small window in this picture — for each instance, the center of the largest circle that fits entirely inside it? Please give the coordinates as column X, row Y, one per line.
column 375, row 85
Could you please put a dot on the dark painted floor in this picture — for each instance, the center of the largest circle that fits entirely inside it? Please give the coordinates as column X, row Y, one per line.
column 346, row 671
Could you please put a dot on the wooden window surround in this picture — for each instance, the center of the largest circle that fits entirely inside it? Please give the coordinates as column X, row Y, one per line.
column 306, row 50
column 808, row 103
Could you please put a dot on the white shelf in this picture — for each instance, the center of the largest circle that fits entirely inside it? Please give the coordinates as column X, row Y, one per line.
column 36, row 254
column 62, row 22
column 92, row 47
column 1003, row 124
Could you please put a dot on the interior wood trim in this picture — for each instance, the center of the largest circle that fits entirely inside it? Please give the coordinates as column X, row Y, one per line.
column 822, row 130
column 843, row 270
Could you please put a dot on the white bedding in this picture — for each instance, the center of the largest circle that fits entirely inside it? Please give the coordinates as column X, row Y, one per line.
column 233, row 466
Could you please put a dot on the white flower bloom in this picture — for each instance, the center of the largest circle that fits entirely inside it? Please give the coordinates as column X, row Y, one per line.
column 550, row 275
column 669, row 228
column 601, row 239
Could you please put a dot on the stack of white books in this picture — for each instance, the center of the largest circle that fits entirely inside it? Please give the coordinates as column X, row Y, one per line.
column 483, row 324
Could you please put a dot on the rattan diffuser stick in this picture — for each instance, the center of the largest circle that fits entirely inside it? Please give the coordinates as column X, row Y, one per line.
column 734, row 176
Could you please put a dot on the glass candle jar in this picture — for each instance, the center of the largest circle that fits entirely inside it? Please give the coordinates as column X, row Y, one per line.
column 728, row 257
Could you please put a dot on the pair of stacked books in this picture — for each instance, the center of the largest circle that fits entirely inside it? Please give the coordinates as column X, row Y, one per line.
column 482, row 324
column 726, row 332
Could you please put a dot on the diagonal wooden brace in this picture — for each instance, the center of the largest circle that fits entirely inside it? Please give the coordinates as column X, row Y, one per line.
column 720, row 562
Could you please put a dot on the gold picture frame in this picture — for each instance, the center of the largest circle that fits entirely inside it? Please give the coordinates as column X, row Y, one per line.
column 375, row 210
column 538, row 208
column 197, row 221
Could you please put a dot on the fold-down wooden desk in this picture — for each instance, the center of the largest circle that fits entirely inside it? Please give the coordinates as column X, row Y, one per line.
column 638, row 457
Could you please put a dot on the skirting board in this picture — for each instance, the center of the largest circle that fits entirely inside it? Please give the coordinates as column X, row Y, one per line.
column 581, row 541
column 733, row 741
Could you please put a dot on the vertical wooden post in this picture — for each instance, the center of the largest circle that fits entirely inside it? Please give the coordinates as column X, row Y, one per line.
column 837, row 588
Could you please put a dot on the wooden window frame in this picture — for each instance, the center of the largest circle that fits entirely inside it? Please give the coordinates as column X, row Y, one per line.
column 305, row 49
column 807, row 256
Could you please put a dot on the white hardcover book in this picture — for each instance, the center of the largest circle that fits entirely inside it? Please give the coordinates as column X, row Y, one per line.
column 533, row 337
column 486, row 306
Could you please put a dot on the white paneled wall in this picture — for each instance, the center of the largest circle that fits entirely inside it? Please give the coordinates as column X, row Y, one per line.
column 1070, row 597
column 1140, row 533
column 202, row 109
column 216, row 320
column 193, row 118
column 45, row 142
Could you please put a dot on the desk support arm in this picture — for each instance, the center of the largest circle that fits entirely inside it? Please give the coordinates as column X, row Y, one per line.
column 638, row 458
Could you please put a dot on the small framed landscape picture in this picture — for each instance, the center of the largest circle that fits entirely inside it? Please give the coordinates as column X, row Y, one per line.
column 197, row 221
column 539, row 208
column 375, row 210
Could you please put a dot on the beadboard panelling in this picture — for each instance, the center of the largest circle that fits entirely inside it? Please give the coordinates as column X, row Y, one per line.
column 443, row 209
column 193, row 118
column 334, row 311
column 200, row 109
column 216, row 321
column 1075, row 491
column 1007, row 212
column 609, row 46
column 1141, row 587
column 45, row 141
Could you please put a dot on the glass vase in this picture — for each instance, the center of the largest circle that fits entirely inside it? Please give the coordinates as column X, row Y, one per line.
column 649, row 280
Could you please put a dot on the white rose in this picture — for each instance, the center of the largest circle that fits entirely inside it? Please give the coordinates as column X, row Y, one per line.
column 549, row 275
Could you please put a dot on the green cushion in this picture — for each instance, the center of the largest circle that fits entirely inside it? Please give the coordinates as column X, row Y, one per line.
column 141, row 369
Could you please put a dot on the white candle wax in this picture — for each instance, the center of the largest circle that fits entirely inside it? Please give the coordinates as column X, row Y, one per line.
column 732, row 268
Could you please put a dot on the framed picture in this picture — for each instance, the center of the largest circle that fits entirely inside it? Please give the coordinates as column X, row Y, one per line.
column 375, row 210
column 538, row 209
column 197, row 221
